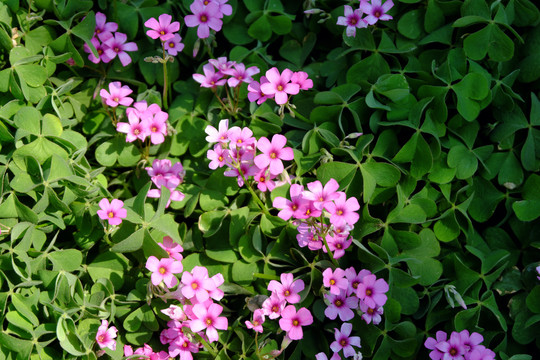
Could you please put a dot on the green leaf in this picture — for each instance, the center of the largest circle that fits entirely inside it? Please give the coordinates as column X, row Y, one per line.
column 527, row 210
column 242, row 272
column 410, row 24
column 260, row 29
column 463, row 160
column 342, row 172
column 67, row 260
column 132, row 243
column 490, row 40
column 210, row 222
column 110, row 266
column 33, row 75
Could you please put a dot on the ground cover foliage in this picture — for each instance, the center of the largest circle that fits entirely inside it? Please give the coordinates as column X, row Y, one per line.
column 446, row 173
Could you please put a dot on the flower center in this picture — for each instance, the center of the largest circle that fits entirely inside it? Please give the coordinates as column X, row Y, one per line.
column 353, row 21
column 136, row 131
column 343, row 343
column 377, row 13
column 185, row 344
column 206, row 2
column 110, row 214
column 116, row 99
column 273, row 155
column 332, row 282
column 453, row 351
column 208, row 322
column 171, row 44
column 220, row 158
column 295, row 323
column 275, row 308
column 99, row 51
column 162, row 270
column 370, row 311
column 194, row 286
column 355, row 284
column 101, row 338
column 116, row 49
column 262, row 179
column 204, row 18
column 255, row 323
column 294, row 207
column 308, row 212
column 280, row 88
column 369, row 292
column 339, row 212
column 338, row 303
column 154, row 129
column 339, row 246
column 162, row 32
column 287, row 293
column 239, row 141
column 98, row 31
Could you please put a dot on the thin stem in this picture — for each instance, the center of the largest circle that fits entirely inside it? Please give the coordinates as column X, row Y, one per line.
column 299, row 116
column 230, row 111
column 219, row 99
column 207, row 345
column 257, row 200
column 165, row 82
column 257, row 345
column 327, row 247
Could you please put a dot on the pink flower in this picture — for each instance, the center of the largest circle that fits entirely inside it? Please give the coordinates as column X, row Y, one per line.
column 354, row 279
column 335, row 280
column 218, row 157
column 163, row 29
column 142, row 109
column 175, row 312
column 287, row 289
column 134, row 128
column 338, row 244
column 224, row 8
column 258, row 320
column 169, row 183
column 105, row 337
column 197, row 284
column 117, row 46
column 322, row 356
column 431, row 344
column 273, row 306
column 292, row 321
column 301, row 78
column 103, row 27
column 255, row 93
column 205, row 17
column 307, row 236
column 157, row 127
column 184, row 347
column 372, row 291
column 215, row 135
column 113, row 212
column 352, row 20
column 375, row 10
column 239, row 74
column 343, row 210
column 481, row 353
column 321, row 195
column 279, row 85
column 340, row 305
column 453, row 349
column 273, row 153
column 371, row 314
column 174, row 46
column 100, row 48
column 173, row 249
column 264, row 180
column 210, row 79
column 164, row 270
column 241, row 137
column 117, row 94
column 222, row 64
column 344, row 341
column 209, row 319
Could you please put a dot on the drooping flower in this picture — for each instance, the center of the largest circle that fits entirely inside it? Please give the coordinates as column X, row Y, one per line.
column 164, row 270
column 204, row 17
column 175, row 312
column 288, row 289
column 173, row 249
column 272, row 153
column 112, row 211
column 292, row 321
column 162, row 29
column 209, row 319
column 256, row 323
column 117, row 94
column 344, row 341
column 279, row 85
column 352, row 20
column 375, row 10
column 117, row 46
column 105, row 336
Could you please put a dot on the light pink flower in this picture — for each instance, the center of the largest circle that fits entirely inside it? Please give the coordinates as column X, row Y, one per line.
column 239, row 74
column 175, row 312
column 279, row 85
column 117, row 46
column 256, row 323
column 241, row 137
column 100, row 48
column 335, row 280
column 372, row 291
column 322, row 356
column 164, row 29
column 354, row 279
column 134, row 128
column 292, row 321
column 105, row 336
column 184, row 347
column 255, row 93
column 209, row 319
column 164, row 270
column 371, row 314
column 352, row 20
column 220, row 136
column 173, row 249
column 210, row 79
column 273, row 153
column 218, row 157
column 338, row 244
column 222, row 64
column 103, row 27
column 301, row 78
column 453, row 349
column 321, row 195
column 264, row 180
column 296, row 207
column 340, row 305
column 205, row 17
column 431, row 344
column 174, row 46
column 273, row 306
column 344, row 341
column 117, row 94
column 142, row 109
column 157, row 127
column 287, row 289
column 197, row 284
column 375, row 11
column 343, row 210
column 113, row 212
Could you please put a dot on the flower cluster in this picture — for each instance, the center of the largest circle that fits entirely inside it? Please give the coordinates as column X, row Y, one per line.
column 374, row 9
column 276, row 306
column 164, row 174
column 144, row 121
column 220, row 71
column 109, row 43
column 320, row 203
column 237, row 148
column 207, row 14
column 460, row 346
column 278, row 86
column 163, row 29
column 198, row 314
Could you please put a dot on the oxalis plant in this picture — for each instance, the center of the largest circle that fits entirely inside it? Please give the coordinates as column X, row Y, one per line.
column 261, row 179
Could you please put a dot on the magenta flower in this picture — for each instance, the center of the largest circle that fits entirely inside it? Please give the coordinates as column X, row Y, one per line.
column 264, row 180
column 255, row 93
column 210, row 79
column 218, row 157
column 292, row 321
column 375, row 11
column 372, row 291
column 335, row 280
column 453, row 349
column 117, row 94
column 184, row 347
column 296, row 207
column 256, row 323
column 431, row 344
column 322, row 356
column 209, row 319
column 239, row 74
column 165, row 168
column 142, row 109
column 100, row 48
column 164, row 29
column 224, row 8
column 273, row 306
column 287, row 289
column 164, row 270
column 371, row 314
column 354, row 279
column 470, row 341
column 222, row 64
column 338, row 244
column 117, row 46
column 343, row 210
column 481, row 353
column 340, row 305
column 273, row 153
column 103, row 27
column 157, row 127
column 280, row 85
column 241, row 137
column 174, row 46
column 301, row 78
column 105, row 336
column 321, row 195
column 352, row 20
column 197, row 284
column 344, row 341
column 113, row 212
column 205, row 17
column 134, row 128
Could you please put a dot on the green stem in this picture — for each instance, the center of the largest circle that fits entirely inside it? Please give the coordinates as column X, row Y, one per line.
column 257, row 200
column 266, row 276
column 214, row 90
column 257, row 345
column 323, row 233
column 207, row 346
column 300, row 116
column 165, row 82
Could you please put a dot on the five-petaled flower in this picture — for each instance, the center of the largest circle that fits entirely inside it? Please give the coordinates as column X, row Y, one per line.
column 112, row 211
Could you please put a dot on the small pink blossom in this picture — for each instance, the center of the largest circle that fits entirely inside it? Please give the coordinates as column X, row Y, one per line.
column 352, row 20
column 321, row 195
column 241, row 137
column 162, row 29
column 113, row 212
column 209, row 319
column 273, row 306
column 204, row 17
column 292, row 321
column 272, row 153
column 197, row 284
column 338, row 244
column 117, row 46
column 117, row 94
column 372, row 291
column 222, row 65
column 100, row 48
column 335, row 280
column 220, row 136
column 287, row 289
column 343, row 210
column 134, row 128
column 164, row 270
column 375, row 11
column 218, row 157
column 340, row 305
column 103, row 27
column 239, row 74
column 371, row 314
column 210, row 79
column 344, row 341
column 255, row 93
column 256, row 323
column 174, row 46
column 279, row 85
column 175, row 312
column 105, row 336
column 301, row 78
column 173, row 249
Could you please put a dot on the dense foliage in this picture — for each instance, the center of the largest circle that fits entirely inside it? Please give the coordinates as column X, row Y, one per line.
column 430, row 120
